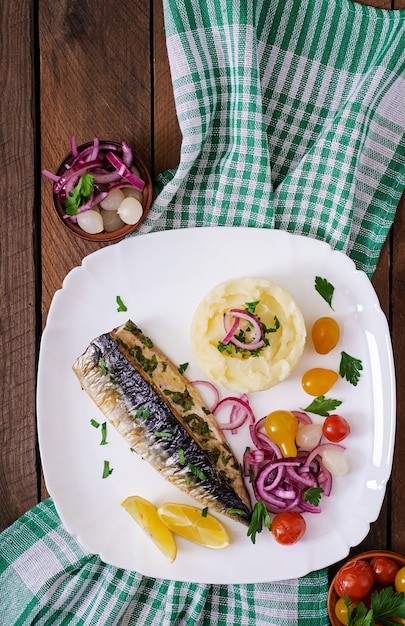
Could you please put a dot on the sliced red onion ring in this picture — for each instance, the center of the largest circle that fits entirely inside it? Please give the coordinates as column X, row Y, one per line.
column 231, row 328
column 240, row 418
column 124, row 171
column 302, row 417
column 211, row 387
column 282, row 482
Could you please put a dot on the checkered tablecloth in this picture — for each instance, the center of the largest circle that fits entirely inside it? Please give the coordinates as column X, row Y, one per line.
column 292, row 115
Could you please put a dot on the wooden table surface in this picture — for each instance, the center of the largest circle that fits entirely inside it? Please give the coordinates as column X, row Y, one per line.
column 100, row 69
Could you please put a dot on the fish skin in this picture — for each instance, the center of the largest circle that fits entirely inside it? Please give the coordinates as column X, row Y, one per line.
column 120, row 390
column 162, row 374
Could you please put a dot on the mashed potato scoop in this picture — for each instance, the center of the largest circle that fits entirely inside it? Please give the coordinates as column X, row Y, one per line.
column 248, row 334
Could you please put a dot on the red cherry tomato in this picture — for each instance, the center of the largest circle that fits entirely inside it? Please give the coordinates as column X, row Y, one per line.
column 325, row 334
column 288, row 527
column 318, row 381
column 384, row 570
column 335, row 428
column 354, row 579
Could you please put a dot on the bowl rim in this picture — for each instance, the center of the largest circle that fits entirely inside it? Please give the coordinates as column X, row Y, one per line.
column 119, row 233
column 366, row 556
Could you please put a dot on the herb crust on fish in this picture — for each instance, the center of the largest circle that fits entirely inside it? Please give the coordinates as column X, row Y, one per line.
column 163, row 418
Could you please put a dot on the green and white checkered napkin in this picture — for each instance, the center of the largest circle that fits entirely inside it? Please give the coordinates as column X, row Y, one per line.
column 292, row 115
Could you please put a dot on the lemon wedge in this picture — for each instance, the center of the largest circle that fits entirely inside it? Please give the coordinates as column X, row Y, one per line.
column 189, row 522
column 146, row 515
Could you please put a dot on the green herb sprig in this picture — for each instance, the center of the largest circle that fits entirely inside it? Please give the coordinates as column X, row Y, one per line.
column 385, row 605
column 325, row 289
column 260, row 518
column 79, row 194
column 313, row 495
column 322, row 406
column 350, row 368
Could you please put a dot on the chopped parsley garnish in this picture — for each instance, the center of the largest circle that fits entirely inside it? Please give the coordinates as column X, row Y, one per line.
column 79, row 194
column 313, row 495
column 325, row 289
column 260, row 517
column 142, row 413
column 197, row 472
column 107, row 470
column 182, row 398
column 243, row 335
column 103, row 434
column 350, row 368
column 236, row 512
column 322, row 406
column 182, row 368
column 121, row 306
column 204, row 512
column 251, row 307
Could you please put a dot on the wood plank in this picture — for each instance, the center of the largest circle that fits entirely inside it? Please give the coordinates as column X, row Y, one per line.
column 167, row 136
column 95, row 82
column 397, row 503
column 18, row 479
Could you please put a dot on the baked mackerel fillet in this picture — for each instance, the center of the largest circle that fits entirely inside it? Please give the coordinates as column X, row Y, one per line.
column 163, row 418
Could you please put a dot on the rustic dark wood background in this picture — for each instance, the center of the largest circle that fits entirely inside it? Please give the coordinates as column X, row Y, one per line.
column 87, row 68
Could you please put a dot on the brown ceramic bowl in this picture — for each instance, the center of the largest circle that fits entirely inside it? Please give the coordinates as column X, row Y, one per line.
column 120, row 232
column 366, row 556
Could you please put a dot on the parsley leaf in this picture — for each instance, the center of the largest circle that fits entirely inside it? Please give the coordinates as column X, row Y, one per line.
column 182, row 368
column 313, row 495
column 79, row 194
column 350, row 368
column 260, row 516
column 121, row 305
column 325, row 289
column 384, row 605
column 322, row 406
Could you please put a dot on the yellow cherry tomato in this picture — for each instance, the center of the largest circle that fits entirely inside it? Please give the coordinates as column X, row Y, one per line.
column 282, row 426
column 341, row 610
column 325, row 334
column 400, row 580
column 318, row 381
